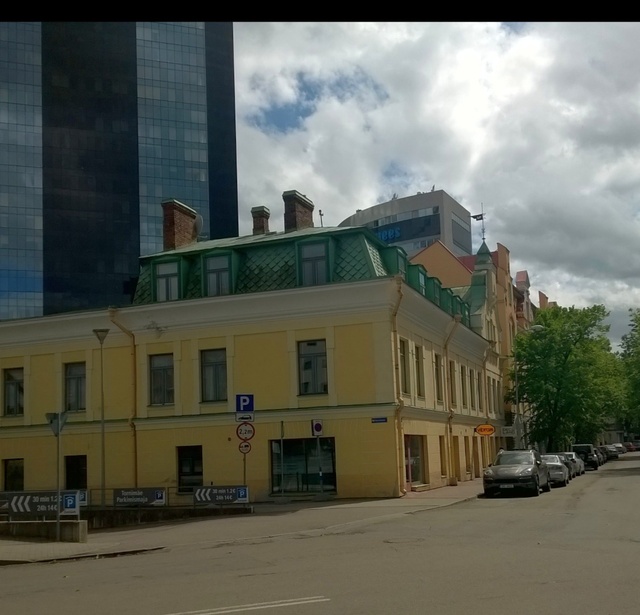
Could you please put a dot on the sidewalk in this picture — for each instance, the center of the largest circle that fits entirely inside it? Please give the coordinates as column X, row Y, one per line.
column 269, row 520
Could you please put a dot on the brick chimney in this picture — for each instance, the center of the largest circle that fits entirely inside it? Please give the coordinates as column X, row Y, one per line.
column 260, row 220
column 178, row 224
column 298, row 211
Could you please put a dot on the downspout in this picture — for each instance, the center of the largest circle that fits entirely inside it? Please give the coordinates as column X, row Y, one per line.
column 453, row 479
column 132, row 417
column 485, row 401
column 401, row 487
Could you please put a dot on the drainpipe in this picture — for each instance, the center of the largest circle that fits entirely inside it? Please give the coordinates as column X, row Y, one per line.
column 398, row 391
column 132, row 417
column 485, row 401
column 453, row 479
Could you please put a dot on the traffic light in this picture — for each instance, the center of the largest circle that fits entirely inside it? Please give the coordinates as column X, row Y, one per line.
column 316, row 427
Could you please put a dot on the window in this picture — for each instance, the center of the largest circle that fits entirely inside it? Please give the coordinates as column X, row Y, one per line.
column 452, row 382
column 463, row 384
column 13, row 470
column 438, row 377
column 161, row 368
column 217, row 275
column 404, row 366
column 166, row 281
column 313, row 263
column 472, row 388
column 312, row 367
column 214, row 375
column 303, row 465
column 480, row 397
column 14, row 392
column 419, row 371
column 75, row 386
column 75, row 467
column 189, row 468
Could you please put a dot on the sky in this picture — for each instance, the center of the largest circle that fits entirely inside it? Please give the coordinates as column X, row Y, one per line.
column 537, row 124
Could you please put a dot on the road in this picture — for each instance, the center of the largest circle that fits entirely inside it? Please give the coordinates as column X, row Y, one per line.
column 574, row 550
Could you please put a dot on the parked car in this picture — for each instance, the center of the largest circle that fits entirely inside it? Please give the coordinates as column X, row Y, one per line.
column 558, row 471
column 602, row 458
column 603, row 452
column 620, row 448
column 573, row 470
column 580, row 467
column 516, row 469
column 588, row 454
column 612, row 451
column 629, row 446
column 636, row 443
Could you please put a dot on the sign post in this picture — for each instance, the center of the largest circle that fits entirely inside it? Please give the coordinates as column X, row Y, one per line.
column 316, row 430
column 57, row 421
column 245, row 431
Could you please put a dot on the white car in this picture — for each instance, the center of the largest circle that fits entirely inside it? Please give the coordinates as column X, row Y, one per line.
column 558, row 471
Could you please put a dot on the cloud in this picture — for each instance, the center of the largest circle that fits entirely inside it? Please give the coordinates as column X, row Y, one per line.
column 538, row 123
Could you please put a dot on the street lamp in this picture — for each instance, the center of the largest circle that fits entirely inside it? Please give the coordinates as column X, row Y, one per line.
column 101, row 334
column 533, row 329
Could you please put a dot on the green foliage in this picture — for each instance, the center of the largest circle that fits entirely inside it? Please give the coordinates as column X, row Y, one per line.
column 631, row 365
column 569, row 379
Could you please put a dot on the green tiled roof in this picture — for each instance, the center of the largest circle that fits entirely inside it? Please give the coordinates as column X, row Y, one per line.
column 261, row 263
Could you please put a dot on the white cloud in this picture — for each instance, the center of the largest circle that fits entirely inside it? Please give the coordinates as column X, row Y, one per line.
column 540, row 124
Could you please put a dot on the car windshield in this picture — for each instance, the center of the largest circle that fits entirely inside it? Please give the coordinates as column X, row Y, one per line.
column 552, row 458
column 510, row 459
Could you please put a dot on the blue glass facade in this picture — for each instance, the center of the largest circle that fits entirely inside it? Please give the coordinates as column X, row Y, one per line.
column 20, row 171
column 99, row 122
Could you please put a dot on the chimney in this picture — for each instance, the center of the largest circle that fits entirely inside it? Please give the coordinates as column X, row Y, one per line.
column 298, row 211
column 260, row 220
column 178, row 224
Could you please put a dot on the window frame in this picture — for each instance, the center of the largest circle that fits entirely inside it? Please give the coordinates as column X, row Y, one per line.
column 405, row 380
column 166, row 279
column 318, row 361
column 13, row 391
column 218, row 369
column 419, row 361
column 75, row 387
column 221, row 275
column 452, row 383
column 166, row 373
column 314, row 269
column 438, row 367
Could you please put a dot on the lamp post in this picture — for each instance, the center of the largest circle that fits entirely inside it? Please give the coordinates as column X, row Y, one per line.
column 533, row 329
column 101, row 334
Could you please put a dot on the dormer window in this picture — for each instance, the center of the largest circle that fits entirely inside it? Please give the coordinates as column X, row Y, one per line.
column 167, row 281
column 313, row 265
column 217, row 275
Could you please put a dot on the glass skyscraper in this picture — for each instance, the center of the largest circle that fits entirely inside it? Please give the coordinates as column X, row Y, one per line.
column 100, row 122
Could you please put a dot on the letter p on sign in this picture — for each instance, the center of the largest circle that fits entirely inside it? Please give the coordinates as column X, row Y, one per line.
column 244, row 403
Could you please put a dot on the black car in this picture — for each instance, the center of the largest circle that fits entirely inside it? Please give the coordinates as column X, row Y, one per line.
column 588, row 454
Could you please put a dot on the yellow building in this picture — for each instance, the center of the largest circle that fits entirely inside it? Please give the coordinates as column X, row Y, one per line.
column 359, row 375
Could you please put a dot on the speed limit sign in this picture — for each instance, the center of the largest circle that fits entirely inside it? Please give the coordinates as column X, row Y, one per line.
column 245, row 431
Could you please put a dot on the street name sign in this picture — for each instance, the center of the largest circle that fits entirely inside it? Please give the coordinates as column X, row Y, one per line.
column 508, row 430
column 221, row 495
column 140, row 497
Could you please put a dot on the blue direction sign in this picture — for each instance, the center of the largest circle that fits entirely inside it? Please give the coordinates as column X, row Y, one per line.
column 221, row 495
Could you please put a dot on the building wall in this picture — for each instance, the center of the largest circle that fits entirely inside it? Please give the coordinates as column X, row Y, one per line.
column 363, row 411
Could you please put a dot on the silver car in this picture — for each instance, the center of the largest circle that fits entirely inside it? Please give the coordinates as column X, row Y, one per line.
column 578, row 461
column 517, row 469
column 558, row 472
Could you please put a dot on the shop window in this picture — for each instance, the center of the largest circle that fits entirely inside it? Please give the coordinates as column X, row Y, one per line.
column 189, row 468
column 305, row 465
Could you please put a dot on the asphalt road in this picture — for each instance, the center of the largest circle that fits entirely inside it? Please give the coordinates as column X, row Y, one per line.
column 574, row 550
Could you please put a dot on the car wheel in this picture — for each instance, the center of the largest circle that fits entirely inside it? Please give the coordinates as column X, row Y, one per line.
column 535, row 492
column 488, row 494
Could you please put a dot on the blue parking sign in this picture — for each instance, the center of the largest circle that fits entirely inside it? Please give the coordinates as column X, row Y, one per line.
column 244, row 403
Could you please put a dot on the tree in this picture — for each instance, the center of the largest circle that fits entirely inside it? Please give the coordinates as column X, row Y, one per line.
column 567, row 376
column 630, row 356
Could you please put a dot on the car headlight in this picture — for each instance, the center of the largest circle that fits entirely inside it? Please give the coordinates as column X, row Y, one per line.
column 526, row 471
column 488, row 472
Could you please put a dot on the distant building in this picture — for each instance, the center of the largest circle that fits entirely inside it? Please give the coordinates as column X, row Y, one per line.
column 415, row 222
column 100, row 121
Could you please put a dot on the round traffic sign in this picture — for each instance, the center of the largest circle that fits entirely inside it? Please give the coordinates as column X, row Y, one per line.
column 245, row 431
column 244, row 447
